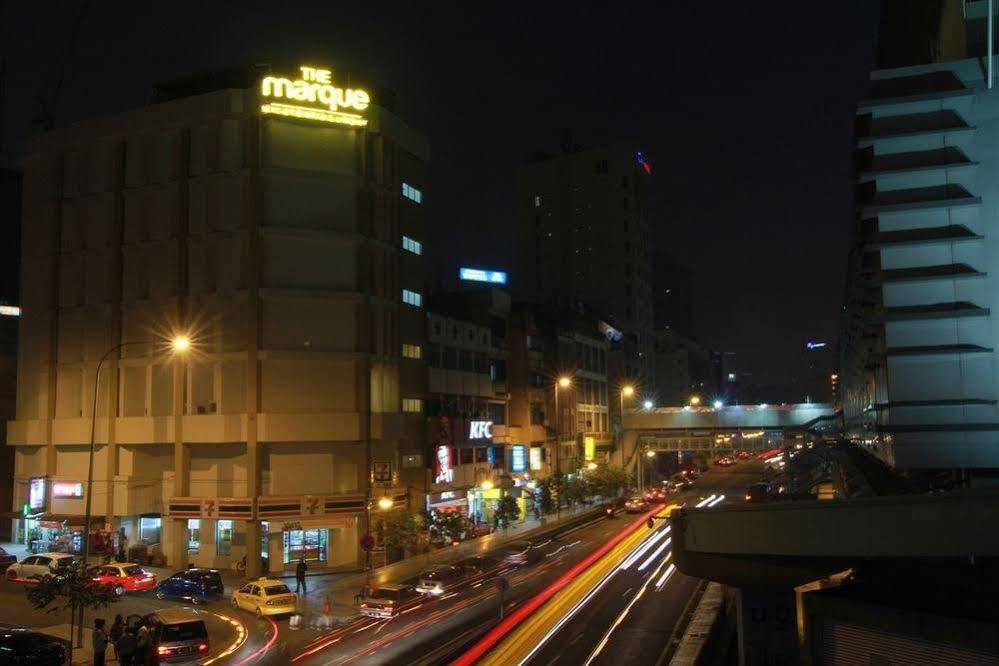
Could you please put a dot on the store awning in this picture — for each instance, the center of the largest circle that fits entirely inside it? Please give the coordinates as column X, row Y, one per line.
column 70, row 520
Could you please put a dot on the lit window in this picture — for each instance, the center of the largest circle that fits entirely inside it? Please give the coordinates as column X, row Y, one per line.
column 537, row 201
column 223, row 537
column 412, row 193
column 412, row 405
column 416, row 247
column 193, row 535
column 149, row 528
column 412, row 351
column 412, row 298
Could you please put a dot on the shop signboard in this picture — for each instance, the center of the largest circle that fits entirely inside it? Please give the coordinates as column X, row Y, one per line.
column 589, row 448
column 480, row 430
column 518, row 458
column 36, row 493
column 382, row 472
column 312, row 95
column 535, row 457
column 67, row 490
column 444, row 465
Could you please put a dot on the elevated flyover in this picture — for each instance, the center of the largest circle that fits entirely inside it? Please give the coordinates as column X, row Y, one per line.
column 727, row 428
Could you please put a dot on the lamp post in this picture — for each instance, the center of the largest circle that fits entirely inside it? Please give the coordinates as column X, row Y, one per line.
column 626, row 391
column 563, row 382
column 178, row 344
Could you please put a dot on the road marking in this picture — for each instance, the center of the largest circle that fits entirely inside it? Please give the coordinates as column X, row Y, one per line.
column 627, row 591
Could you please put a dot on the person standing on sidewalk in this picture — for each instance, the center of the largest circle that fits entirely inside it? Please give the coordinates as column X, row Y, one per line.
column 99, row 641
column 300, row 576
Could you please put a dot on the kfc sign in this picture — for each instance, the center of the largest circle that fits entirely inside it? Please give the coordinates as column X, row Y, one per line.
column 480, row 430
column 444, row 466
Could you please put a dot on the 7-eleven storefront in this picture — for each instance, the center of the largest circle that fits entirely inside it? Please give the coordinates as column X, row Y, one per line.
column 322, row 530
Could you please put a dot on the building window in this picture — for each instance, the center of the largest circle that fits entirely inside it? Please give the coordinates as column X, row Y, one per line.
column 416, row 247
column 412, row 298
column 412, row 351
column 412, row 405
column 149, row 529
column 305, row 544
column 193, row 535
column 223, row 538
column 537, row 201
column 412, row 193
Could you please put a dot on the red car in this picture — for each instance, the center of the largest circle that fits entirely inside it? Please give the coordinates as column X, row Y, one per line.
column 124, row 577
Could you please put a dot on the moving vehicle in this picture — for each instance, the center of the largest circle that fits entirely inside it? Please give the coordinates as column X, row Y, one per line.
column 35, row 567
column 123, row 578
column 6, row 559
column 758, row 492
column 23, row 646
column 177, row 634
column 387, row 600
column 194, row 585
column 745, row 455
column 479, row 565
column 521, row 552
column 680, row 482
column 724, row 461
column 436, row 580
column 609, row 510
column 655, row 495
column 264, row 596
column 636, row 505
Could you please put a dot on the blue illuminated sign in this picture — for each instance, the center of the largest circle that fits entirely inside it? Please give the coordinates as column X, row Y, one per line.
column 480, row 275
column 518, row 458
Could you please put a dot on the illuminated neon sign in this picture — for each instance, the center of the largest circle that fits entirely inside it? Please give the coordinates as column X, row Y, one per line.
column 644, row 162
column 518, row 458
column 480, row 430
column 314, row 97
column 479, row 275
column 444, row 467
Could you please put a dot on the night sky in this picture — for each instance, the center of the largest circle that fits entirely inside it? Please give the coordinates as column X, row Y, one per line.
column 745, row 109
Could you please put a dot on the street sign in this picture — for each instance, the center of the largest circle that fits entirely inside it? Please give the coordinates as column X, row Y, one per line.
column 368, row 543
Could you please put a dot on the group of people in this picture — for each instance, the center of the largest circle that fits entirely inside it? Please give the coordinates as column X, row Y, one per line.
column 130, row 645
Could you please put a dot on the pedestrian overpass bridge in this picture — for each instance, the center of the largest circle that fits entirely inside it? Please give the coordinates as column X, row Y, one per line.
column 728, row 428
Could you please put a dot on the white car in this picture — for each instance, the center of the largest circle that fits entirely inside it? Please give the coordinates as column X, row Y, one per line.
column 39, row 566
column 265, row 597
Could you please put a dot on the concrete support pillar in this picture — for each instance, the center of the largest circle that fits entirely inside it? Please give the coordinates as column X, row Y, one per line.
column 767, row 626
column 253, row 559
column 181, row 488
column 178, row 542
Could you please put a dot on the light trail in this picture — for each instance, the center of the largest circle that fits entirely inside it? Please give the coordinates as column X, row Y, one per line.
column 620, row 618
column 643, row 548
column 666, row 576
column 718, row 500
column 659, row 551
column 705, row 501
column 236, row 644
column 267, row 646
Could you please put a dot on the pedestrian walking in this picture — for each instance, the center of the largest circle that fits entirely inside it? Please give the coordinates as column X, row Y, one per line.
column 116, row 632
column 125, row 648
column 99, row 642
column 300, row 576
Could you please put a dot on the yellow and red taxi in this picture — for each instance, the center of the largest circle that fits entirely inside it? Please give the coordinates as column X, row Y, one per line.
column 123, row 578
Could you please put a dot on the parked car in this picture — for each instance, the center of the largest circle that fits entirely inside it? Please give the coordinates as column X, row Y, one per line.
column 177, row 634
column 436, row 580
column 758, row 492
column 24, row 646
column 34, row 567
column 194, row 585
column 123, row 578
column 6, row 559
column 265, row 597
column 636, row 505
column 521, row 552
column 387, row 600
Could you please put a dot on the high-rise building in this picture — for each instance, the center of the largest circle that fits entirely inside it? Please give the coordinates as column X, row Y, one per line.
column 283, row 237
column 918, row 345
column 672, row 297
column 584, row 243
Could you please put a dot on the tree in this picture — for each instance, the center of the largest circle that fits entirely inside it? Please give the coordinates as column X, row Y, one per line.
column 397, row 533
column 607, row 481
column 577, row 490
column 451, row 524
column 71, row 590
column 546, row 503
column 507, row 511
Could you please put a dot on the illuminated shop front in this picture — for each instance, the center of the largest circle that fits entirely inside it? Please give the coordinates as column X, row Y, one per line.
column 307, row 544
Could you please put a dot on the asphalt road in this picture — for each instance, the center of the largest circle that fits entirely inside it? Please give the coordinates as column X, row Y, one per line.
column 631, row 618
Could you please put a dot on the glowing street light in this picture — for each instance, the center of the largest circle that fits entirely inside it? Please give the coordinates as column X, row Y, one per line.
column 628, row 391
column 564, row 382
column 180, row 344
column 650, row 454
column 647, row 404
column 695, row 400
column 385, row 503
column 592, row 466
column 718, row 404
column 487, row 485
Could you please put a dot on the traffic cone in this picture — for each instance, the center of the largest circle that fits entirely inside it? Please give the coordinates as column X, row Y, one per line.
column 328, row 608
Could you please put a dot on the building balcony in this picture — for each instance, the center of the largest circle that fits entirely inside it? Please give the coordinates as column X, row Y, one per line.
column 871, row 130
column 928, row 86
column 951, row 310
column 922, row 273
column 872, row 166
column 952, row 233
column 920, row 198
column 934, row 350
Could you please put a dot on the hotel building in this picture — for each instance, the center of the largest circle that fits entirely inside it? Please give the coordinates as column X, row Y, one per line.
column 284, row 239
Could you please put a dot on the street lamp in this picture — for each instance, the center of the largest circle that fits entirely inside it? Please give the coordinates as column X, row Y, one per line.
column 718, row 404
column 563, row 382
column 385, row 503
column 695, row 400
column 178, row 344
column 487, row 485
column 626, row 391
column 647, row 404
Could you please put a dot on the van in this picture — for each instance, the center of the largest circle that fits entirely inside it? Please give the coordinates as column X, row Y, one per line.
column 177, row 634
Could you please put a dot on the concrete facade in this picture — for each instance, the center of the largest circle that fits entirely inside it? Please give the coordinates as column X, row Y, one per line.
column 283, row 249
